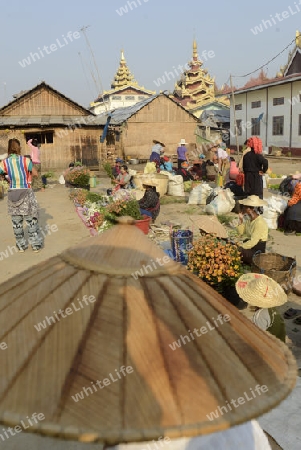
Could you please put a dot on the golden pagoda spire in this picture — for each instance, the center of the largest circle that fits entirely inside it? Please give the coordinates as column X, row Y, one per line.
column 298, row 39
column 194, row 50
column 123, row 75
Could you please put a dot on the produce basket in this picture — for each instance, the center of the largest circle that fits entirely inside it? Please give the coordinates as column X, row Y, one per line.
column 280, row 268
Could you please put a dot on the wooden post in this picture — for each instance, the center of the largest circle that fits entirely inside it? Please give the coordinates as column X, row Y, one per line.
column 234, row 115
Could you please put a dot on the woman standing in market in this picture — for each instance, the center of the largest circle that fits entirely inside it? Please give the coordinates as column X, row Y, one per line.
column 157, row 152
column 254, row 166
column 37, row 182
column 22, row 203
column 182, row 153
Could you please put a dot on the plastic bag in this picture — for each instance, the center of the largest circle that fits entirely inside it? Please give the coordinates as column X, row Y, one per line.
column 199, row 194
column 219, row 180
column 222, row 204
column 61, row 179
column 150, row 167
column 272, row 223
column 277, row 204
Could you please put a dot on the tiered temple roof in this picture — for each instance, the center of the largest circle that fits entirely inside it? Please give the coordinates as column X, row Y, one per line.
column 125, row 79
column 196, row 86
column 123, row 75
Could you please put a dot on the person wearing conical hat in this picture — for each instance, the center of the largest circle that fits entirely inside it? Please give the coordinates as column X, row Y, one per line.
column 265, row 294
column 157, row 151
column 253, row 226
column 150, row 202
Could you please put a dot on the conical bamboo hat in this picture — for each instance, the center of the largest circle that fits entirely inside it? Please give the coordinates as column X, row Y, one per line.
column 139, row 324
column 211, row 225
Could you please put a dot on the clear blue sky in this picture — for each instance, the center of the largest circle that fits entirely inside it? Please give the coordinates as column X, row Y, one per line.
column 156, row 36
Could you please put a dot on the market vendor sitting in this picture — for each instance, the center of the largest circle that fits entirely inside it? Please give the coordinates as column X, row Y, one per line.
column 292, row 214
column 166, row 164
column 184, row 172
column 150, row 202
column 253, row 226
column 265, row 295
column 116, row 168
column 123, row 179
column 198, row 169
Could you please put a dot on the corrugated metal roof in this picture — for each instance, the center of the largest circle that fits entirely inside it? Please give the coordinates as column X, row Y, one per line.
column 217, row 115
column 21, row 121
column 120, row 115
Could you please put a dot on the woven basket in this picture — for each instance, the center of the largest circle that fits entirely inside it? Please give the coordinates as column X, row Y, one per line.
column 280, row 268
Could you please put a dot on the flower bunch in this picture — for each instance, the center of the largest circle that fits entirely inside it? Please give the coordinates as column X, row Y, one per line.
column 79, row 176
column 216, row 262
column 96, row 220
column 124, row 207
column 79, row 196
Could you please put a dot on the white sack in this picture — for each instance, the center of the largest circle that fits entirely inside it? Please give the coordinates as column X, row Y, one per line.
column 199, row 194
column 176, row 186
column 222, row 204
column 277, row 204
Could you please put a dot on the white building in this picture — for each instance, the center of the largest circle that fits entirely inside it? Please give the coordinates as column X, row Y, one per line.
column 271, row 110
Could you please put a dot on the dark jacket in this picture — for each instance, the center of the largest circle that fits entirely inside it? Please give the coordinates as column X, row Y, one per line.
column 151, row 202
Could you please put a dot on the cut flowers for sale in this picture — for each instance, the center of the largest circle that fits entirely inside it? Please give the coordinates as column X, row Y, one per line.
column 216, row 262
column 101, row 212
column 79, row 176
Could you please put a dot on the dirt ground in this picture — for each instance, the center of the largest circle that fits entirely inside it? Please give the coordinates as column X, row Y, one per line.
column 65, row 229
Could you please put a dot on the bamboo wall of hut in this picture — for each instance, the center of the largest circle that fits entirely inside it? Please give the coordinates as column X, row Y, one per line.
column 161, row 119
column 64, row 129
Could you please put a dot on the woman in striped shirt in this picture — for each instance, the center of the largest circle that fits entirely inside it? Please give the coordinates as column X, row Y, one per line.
column 22, row 203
